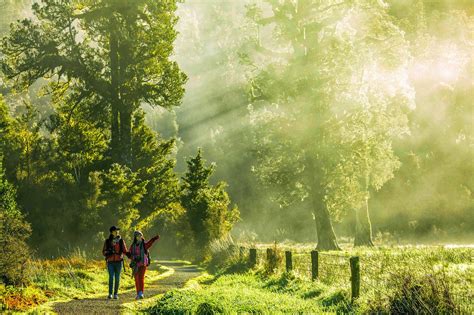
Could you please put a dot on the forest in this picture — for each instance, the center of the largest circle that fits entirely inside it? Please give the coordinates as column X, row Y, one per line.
column 263, row 140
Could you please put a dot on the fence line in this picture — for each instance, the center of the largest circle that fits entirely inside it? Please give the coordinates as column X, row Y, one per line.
column 344, row 269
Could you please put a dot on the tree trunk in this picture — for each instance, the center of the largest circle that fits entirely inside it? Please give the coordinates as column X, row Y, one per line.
column 115, row 99
column 325, row 232
column 126, row 135
column 326, row 236
column 115, row 134
column 363, row 228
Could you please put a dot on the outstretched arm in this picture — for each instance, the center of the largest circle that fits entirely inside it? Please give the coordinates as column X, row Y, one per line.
column 151, row 241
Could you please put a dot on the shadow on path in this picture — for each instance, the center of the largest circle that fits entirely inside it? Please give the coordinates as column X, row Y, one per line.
column 102, row 305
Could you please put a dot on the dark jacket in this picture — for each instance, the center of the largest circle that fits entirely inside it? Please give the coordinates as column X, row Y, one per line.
column 114, row 250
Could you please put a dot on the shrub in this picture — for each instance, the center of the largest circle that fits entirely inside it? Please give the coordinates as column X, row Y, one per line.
column 428, row 294
column 14, row 231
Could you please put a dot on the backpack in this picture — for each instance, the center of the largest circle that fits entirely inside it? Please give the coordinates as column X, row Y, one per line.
column 149, row 259
column 147, row 253
column 109, row 247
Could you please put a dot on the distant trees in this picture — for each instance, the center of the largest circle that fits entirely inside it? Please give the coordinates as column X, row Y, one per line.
column 435, row 175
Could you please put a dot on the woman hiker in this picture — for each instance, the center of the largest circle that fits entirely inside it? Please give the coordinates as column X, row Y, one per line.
column 113, row 250
column 138, row 253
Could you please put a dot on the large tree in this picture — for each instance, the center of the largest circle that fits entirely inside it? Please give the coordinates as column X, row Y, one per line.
column 330, row 96
column 108, row 56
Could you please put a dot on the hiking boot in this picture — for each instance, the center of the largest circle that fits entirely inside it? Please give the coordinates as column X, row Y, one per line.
column 115, row 296
column 110, row 296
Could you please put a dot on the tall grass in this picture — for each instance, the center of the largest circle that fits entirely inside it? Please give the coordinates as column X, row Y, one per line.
column 406, row 279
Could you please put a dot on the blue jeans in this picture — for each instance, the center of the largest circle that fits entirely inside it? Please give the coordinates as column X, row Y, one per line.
column 114, row 268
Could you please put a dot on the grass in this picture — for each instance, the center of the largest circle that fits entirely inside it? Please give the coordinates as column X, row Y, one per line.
column 249, row 293
column 407, row 279
column 62, row 279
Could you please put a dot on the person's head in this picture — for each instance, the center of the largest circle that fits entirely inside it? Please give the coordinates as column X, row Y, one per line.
column 137, row 236
column 114, row 231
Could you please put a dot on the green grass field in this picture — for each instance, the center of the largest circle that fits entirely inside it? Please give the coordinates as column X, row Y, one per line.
column 393, row 279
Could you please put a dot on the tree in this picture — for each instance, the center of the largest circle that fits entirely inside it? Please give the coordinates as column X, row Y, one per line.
column 14, row 231
column 207, row 206
column 120, row 193
column 108, row 56
column 310, row 97
column 435, row 175
column 154, row 163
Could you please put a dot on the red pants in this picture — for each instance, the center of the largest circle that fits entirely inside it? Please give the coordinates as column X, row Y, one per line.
column 140, row 279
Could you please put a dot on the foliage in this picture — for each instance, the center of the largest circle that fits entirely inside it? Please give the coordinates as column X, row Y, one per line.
column 14, row 231
column 120, row 192
column 329, row 107
column 98, row 64
column 207, row 206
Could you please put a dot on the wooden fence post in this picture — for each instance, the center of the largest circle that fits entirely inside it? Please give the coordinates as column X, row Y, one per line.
column 289, row 261
column 271, row 260
column 314, row 264
column 355, row 277
column 253, row 257
column 269, row 254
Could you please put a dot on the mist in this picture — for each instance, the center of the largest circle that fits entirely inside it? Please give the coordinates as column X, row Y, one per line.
column 430, row 194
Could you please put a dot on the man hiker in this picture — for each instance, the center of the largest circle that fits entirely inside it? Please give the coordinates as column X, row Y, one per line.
column 139, row 254
column 113, row 250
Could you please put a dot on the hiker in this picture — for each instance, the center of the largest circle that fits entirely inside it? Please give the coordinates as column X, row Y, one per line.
column 113, row 250
column 140, row 260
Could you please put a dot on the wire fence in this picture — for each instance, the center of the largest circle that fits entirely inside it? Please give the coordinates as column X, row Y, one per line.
column 385, row 276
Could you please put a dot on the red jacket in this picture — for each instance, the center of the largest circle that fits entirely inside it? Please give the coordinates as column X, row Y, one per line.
column 118, row 249
column 134, row 251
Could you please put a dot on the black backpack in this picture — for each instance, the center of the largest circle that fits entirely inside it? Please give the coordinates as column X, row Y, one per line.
column 110, row 248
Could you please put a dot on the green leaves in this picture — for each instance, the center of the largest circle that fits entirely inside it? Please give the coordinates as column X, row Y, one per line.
column 340, row 98
column 121, row 192
column 14, row 231
column 207, row 206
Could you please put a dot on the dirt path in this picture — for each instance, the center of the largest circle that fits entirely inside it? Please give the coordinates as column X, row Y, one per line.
column 102, row 305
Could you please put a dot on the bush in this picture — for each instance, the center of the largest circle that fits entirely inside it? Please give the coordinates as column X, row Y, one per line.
column 427, row 294
column 226, row 257
column 14, row 231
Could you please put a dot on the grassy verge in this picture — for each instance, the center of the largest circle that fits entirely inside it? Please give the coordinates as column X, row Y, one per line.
column 394, row 280
column 62, row 279
column 252, row 292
